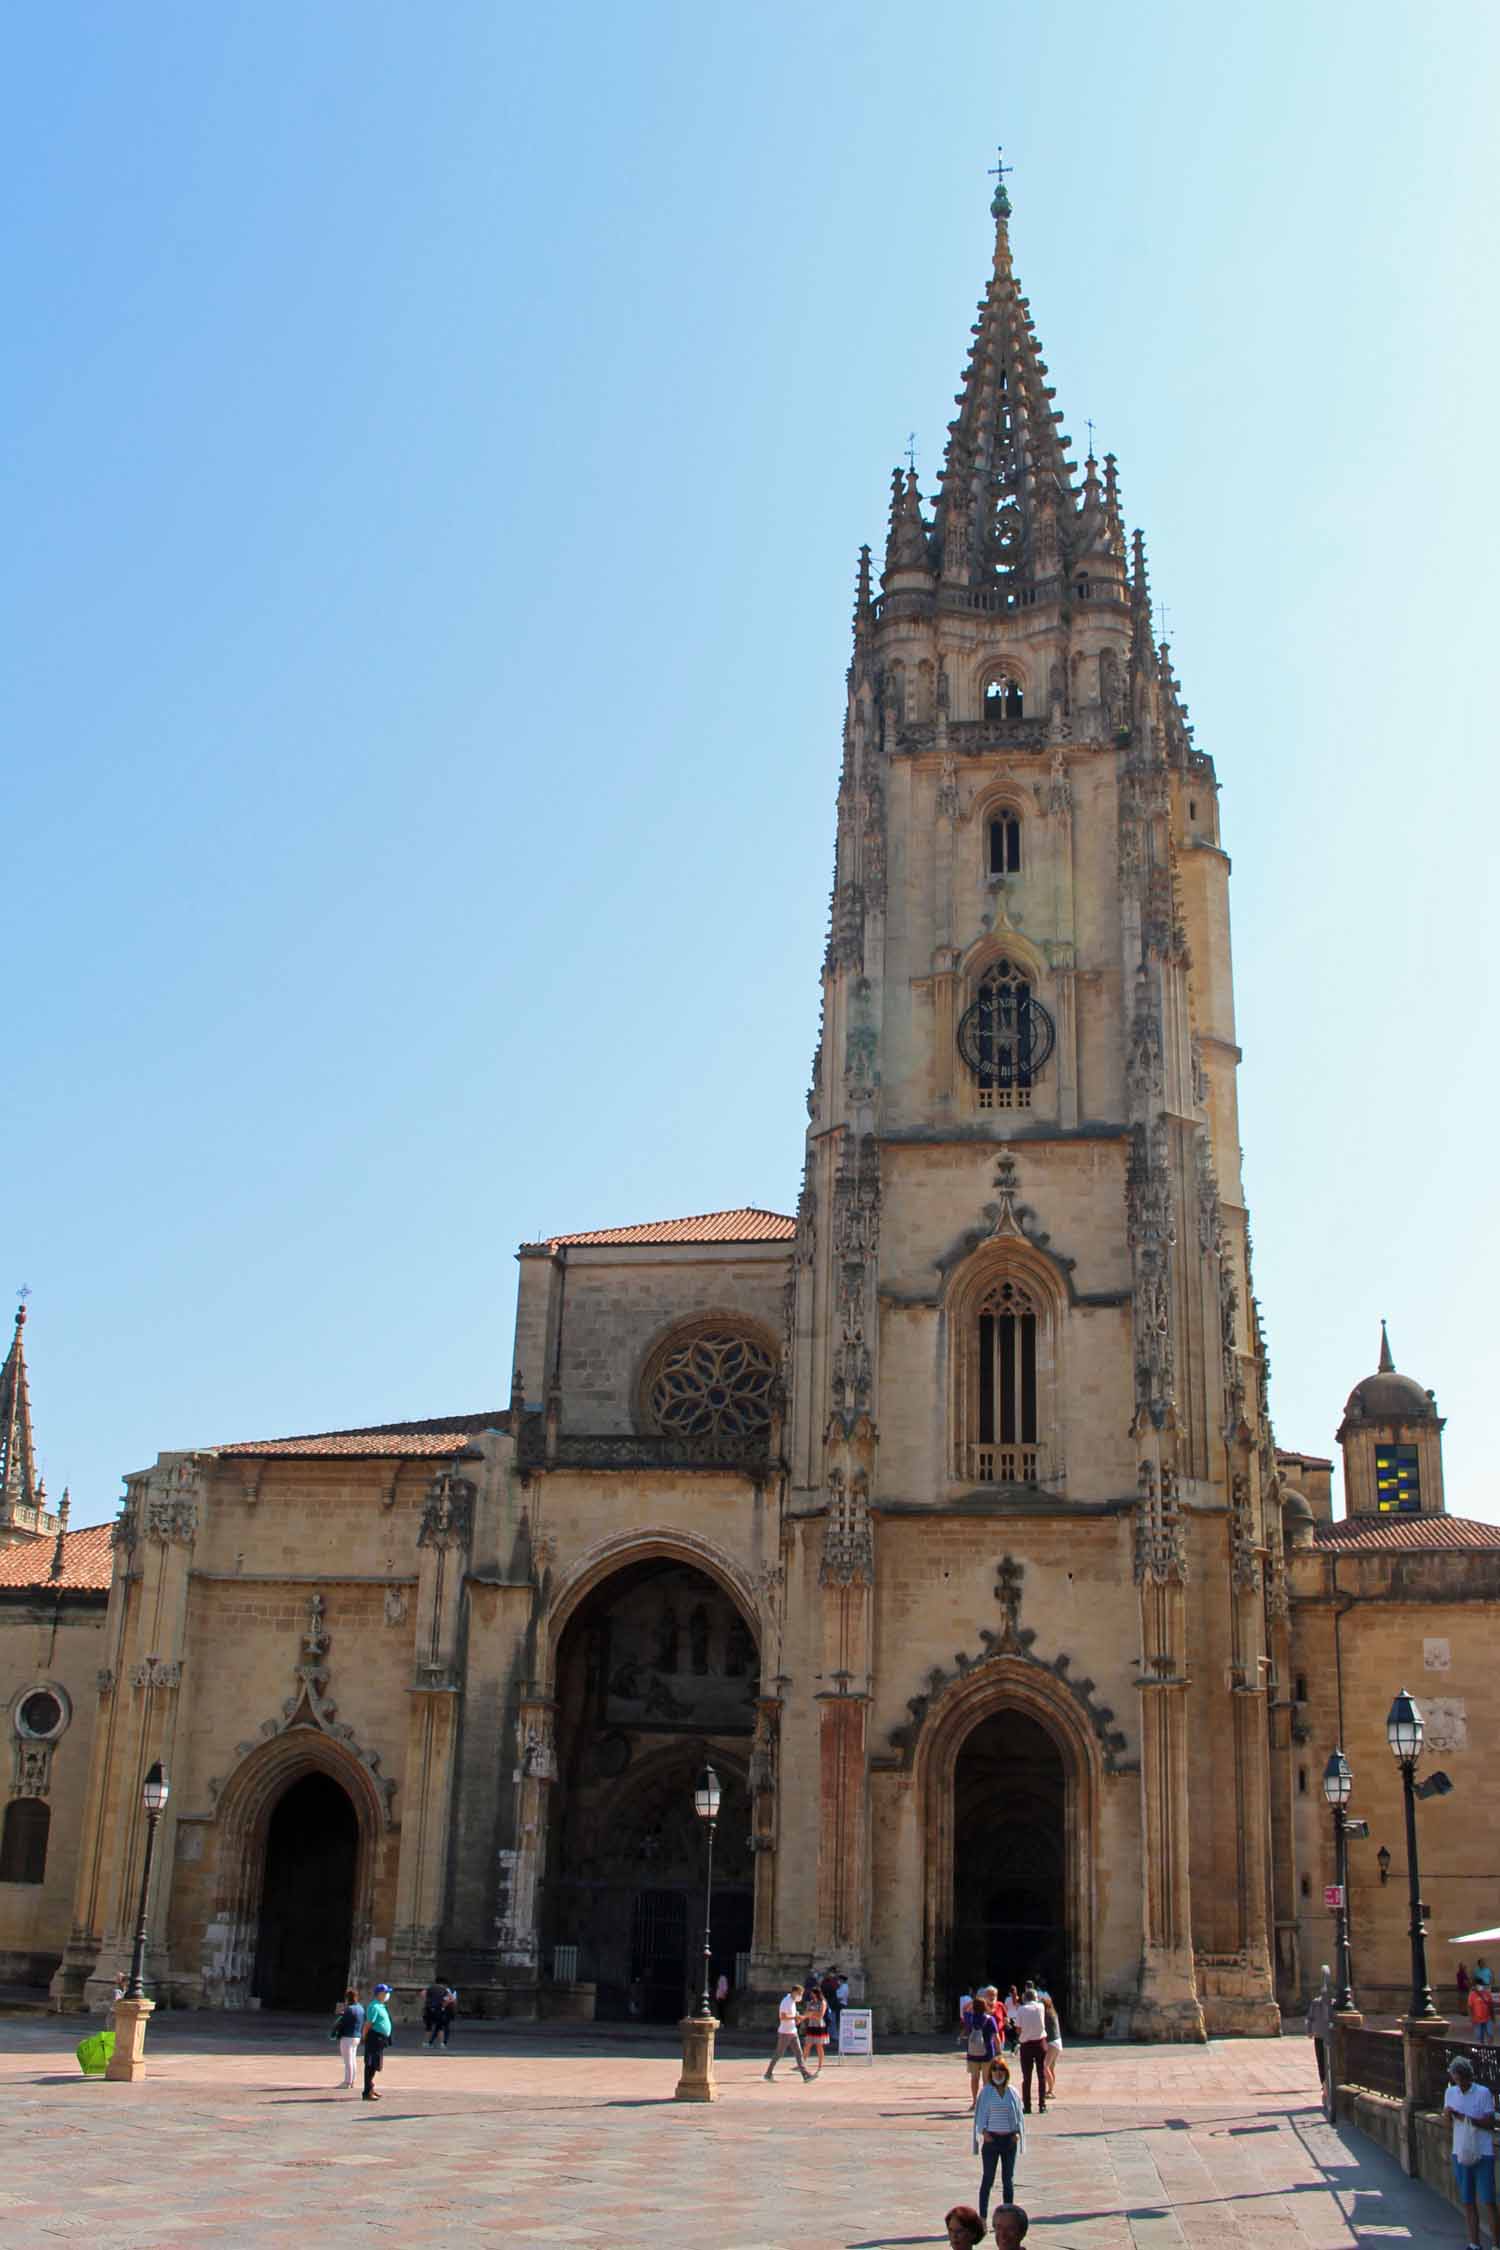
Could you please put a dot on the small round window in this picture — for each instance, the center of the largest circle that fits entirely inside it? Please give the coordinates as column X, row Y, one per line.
column 40, row 1716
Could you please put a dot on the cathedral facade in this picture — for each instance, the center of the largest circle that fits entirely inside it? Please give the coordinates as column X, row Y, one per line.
column 943, row 1516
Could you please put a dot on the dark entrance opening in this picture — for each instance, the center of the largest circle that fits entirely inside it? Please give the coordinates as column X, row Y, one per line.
column 657, row 1673
column 1009, row 1859
column 307, row 1898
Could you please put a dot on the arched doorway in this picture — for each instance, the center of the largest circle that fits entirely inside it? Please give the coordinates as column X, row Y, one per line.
column 1009, row 1858
column 657, row 1671
column 1008, row 1776
column 306, row 1931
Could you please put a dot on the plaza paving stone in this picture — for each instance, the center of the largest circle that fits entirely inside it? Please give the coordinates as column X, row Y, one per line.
column 239, row 2136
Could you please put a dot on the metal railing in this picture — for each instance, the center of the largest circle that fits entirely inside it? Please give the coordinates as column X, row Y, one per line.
column 1438, row 2053
column 1373, row 2060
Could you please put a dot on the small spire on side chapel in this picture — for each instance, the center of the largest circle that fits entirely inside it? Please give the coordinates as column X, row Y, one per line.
column 63, row 1511
column 1387, row 1363
column 18, row 1487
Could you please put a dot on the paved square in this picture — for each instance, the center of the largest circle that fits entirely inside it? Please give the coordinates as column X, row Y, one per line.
column 240, row 2137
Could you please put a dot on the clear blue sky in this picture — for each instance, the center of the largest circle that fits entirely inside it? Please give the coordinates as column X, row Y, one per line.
column 437, row 442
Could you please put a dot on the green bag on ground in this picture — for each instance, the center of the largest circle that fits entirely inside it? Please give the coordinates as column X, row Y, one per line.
column 94, row 2052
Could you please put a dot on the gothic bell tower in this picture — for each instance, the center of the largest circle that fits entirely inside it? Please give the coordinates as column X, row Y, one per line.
column 1020, row 1317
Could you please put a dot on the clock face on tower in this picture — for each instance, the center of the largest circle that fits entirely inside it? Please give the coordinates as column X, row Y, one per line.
column 1006, row 1035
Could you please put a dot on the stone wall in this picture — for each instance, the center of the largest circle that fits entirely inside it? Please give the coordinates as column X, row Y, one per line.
column 57, row 1642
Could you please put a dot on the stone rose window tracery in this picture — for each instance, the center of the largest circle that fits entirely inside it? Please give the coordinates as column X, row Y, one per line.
column 711, row 1386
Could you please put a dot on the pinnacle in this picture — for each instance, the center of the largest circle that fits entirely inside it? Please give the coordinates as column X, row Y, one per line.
column 1387, row 1363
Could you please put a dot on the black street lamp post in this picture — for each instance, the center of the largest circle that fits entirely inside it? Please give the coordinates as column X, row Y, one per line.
column 154, row 1794
column 1405, row 1731
column 1338, row 1781
column 706, row 1798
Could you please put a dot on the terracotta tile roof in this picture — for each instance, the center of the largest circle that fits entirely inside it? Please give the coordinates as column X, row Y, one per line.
column 1389, row 1534
column 1308, row 1460
column 749, row 1224
column 389, row 1441
column 86, row 1562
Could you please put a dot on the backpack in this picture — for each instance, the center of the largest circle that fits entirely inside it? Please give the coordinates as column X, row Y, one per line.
column 979, row 2046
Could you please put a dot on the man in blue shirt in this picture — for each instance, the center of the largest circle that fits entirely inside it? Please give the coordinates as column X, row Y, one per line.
column 377, row 2037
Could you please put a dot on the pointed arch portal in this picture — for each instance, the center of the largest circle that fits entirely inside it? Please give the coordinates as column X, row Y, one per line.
column 657, row 1670
column 306, row 1929
column 1009, row 1857
column 1009, row 1775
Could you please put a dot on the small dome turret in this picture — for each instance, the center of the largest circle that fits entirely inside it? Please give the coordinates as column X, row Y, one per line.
column 1386, row 1396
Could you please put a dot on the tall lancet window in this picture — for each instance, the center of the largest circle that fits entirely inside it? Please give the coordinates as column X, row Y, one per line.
column 1004, row 1450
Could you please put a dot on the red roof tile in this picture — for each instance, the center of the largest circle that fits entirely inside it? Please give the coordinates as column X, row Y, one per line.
column 389, row 1441
column 1387, row 1534
column 748, row 1224
column 86, row 1562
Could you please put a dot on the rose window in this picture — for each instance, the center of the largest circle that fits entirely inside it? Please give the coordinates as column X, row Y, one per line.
column 712, row 1385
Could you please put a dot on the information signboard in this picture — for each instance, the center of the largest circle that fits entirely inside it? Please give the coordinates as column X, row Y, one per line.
column 1333, row 1896
column 857, row 2035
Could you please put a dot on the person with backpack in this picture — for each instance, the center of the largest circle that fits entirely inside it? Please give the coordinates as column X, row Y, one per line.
column 981, row 2044
column 347, row 2026
column 378, row 2034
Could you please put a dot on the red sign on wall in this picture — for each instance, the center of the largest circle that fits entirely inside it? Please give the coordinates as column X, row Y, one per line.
column 1333, row 1896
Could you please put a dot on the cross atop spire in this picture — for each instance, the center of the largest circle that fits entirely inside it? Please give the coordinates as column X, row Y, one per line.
column 1000, row 201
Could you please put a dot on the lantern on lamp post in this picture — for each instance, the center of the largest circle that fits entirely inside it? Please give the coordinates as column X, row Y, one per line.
column 133, row 2010
column 706, row 1800
column 1406, row 1732
column 697, row 2082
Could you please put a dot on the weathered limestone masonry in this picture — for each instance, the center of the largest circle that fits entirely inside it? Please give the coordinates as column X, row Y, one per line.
column 944, row 1518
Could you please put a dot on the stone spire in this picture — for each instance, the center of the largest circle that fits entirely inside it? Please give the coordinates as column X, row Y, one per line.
column 1006, row 512
column 1387, row 1363
column 907, row 554
column 18, row 1491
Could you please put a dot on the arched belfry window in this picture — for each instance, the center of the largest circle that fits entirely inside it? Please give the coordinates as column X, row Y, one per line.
column 1003, row 700
column 1005, row 843
column 1005, row 1036
column 1005, row 1437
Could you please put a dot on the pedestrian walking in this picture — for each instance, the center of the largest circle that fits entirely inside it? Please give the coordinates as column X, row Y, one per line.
column 1483, row 1973
column 347, row 2025
column 439, row 2007
column 1462, row 1981
column 787, row 2040
column 1011, row 2010
column 1031, row 2037
column 377, row 2033
column 965, row 2227
column 1320, row 2032
column 999, row 2133
column 981, row 2044
column 1481, row 2007
column 1011, row 2227
column 1471, row 2113
column 829, row 1987
column 1054, row 2041
column 814, row 2026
